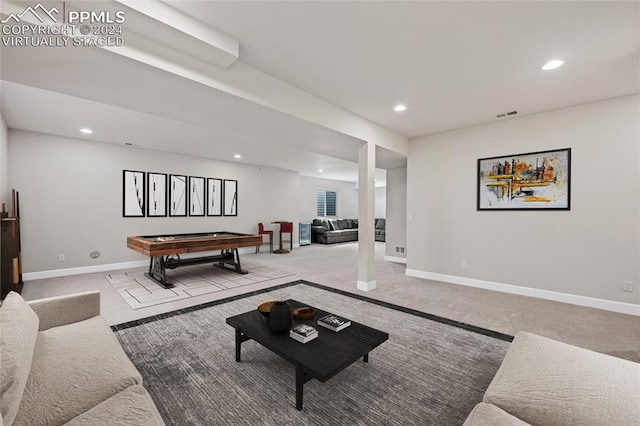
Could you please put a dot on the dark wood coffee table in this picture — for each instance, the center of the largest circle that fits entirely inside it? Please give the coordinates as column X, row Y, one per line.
column 322, row 358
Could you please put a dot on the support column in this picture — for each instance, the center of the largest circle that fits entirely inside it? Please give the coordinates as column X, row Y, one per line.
column 366, row 217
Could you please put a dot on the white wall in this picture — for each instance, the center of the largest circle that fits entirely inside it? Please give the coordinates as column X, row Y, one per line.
column 381, row 202
column 347, row 197
column 587, row 251
column 4, row 162
column 396, row 198
column 71, row 198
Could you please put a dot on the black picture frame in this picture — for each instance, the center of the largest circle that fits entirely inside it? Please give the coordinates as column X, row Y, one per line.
column 214, row 197
column 538, row 180
column 197, row 196
column 230, row 194
column 178, row 195
column 156, row 194
column 133, row 193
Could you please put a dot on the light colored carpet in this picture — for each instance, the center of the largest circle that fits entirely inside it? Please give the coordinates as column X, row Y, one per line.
column 427, row 373
column 140, row 291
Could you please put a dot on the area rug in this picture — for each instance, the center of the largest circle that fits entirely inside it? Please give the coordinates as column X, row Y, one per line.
column 427, row 373
column 140, row 291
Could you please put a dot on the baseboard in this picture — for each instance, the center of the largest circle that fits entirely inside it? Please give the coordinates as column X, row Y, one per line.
column 28, row 276
column 396, row 259
column 39, row 275
column 590, row 302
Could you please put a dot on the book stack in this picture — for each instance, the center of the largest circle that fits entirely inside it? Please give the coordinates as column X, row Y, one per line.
column 334, row 322
column 303, row 333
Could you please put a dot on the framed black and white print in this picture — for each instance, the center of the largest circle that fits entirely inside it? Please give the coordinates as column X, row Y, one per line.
column 197, row 196
column 178, row 195
column 133, row 193
column 230, row 197
column 214, row 197
column 156, row 194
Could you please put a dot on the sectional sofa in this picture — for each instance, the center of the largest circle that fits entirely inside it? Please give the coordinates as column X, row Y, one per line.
column 62, row 364
column 545, row 382
column 329, row 230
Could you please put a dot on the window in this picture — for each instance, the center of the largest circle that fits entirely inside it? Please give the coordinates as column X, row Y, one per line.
column 326, row 203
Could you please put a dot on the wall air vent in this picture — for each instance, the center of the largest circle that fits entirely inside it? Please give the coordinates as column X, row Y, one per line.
column 506, row 114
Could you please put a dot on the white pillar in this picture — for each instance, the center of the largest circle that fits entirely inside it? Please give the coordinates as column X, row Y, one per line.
column 366, row 217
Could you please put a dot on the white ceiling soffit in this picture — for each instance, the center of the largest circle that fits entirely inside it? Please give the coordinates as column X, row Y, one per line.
column 181, row 32
column 144, row 45
column 270, row 141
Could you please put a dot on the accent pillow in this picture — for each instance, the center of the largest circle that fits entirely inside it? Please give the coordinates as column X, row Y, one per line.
column 18, row 333
column 355, row 223
column 333, row 224
column 343, row 224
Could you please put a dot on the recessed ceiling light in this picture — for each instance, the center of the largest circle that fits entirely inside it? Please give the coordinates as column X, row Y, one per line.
column 551, row 65
column 237, row 156
column 86, row 130
column 399, row 108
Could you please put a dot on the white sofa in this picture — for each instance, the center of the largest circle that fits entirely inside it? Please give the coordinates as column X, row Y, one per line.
column 60, row 363
column 545, row 382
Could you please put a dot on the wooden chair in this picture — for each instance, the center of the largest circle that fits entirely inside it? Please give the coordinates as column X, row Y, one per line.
column 262, row 231
column 287, row 228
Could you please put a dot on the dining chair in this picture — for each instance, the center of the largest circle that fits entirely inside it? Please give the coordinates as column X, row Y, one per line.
column 268, row 232
column 287, row 228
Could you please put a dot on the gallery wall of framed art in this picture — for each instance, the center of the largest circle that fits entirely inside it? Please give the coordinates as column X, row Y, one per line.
column 153, row 194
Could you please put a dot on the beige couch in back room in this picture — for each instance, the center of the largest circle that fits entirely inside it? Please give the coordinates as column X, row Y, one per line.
column 60, row 363
column 545, row 382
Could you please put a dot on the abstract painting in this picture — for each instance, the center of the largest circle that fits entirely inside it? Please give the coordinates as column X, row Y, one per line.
column 196, row 196
column 177, row 195
column 132, row 193
column 156, row 194
column 214, row 197
column 230, row 197
column 531, row 181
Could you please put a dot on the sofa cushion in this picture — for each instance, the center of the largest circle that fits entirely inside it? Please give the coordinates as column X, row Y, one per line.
column 542, row 381
column 343, row 224
column 333, row 224
column 131, row 407
column 488, row 414
column 321, row 222
column 18, row 335
column 75, row 367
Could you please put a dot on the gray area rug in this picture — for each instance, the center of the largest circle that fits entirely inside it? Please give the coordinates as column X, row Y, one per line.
column 140, row 291
column 427, row 373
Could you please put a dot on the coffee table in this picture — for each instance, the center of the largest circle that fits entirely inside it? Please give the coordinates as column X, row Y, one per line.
column 320, row 359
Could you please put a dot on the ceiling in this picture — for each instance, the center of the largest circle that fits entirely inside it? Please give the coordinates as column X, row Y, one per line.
column 454, row 64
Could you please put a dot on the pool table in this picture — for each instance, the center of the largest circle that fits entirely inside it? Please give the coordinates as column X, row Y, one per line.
column 165, row 250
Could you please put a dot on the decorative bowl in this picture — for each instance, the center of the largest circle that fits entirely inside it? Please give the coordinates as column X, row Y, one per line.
column 304, row 313
column 265, row 308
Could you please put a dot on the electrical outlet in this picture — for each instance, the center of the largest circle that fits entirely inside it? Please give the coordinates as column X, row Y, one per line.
column 61, row 258
column 464, row 265
column 401, row 249
column 627, row 285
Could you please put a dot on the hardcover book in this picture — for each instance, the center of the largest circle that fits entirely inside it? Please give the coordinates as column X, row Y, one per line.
column 303, row 333
column 334, row 322
column 304, row 330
